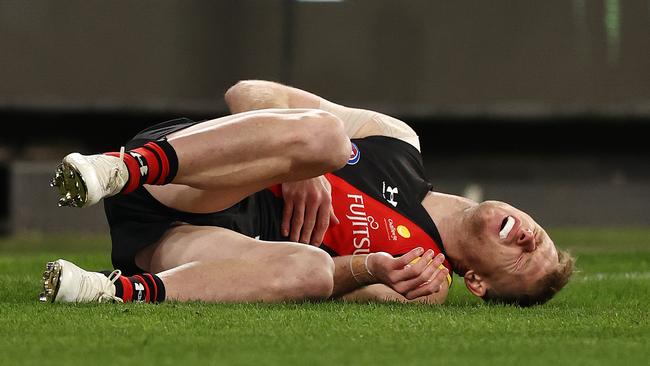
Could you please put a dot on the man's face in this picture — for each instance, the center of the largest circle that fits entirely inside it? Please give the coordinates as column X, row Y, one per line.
column 507, row 248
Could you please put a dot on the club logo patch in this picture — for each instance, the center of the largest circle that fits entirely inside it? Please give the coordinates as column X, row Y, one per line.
column 355, row 155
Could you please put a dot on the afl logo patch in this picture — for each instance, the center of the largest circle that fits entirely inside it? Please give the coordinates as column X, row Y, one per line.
column 355, row 155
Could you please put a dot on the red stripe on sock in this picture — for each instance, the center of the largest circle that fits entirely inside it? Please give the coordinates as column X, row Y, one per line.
column 152, row 163
column 163, row 158
column 155, row 287
column 146, row 287
column 127, row 289
column 134, row 172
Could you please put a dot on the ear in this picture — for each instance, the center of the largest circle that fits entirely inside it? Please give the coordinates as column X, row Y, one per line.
column 475, row 284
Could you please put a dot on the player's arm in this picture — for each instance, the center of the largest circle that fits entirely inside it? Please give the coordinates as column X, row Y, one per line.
column 260, row 94
column 408, row 280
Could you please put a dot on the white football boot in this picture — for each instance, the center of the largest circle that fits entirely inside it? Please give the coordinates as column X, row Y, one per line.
column 84, row 180
column 63, row 281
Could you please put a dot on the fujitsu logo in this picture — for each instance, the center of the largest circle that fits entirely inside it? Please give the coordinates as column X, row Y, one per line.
column 360, row 224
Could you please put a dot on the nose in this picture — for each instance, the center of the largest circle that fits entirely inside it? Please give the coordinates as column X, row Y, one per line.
column 526, row 240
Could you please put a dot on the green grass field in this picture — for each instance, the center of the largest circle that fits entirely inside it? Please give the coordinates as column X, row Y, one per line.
column 600, row 318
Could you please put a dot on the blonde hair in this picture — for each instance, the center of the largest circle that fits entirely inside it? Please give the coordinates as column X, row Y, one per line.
column 545, row 288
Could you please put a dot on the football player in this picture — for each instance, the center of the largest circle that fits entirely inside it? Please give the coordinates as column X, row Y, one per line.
column 221, row 210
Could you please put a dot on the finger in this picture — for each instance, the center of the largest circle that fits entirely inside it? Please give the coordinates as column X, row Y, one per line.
column 407, row 258
column 322, row 223
column 425, row 275
column 439, row 278
column 436, row 284
column 422, row 262
column 437, row 260
column 428, row 274
column 411, row 271
column 333, row 219
column 286, row 217
column 308, row 225
column 434, row 275
column 297, row 219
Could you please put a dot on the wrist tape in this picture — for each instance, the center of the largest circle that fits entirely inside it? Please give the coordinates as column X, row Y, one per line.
column 360, row 271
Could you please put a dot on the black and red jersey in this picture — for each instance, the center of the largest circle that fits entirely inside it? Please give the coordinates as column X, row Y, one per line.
column 377, row 198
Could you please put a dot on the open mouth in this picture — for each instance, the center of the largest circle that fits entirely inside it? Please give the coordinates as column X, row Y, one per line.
column 506, row 226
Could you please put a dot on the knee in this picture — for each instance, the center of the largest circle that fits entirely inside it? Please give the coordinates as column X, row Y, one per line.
column 325, row 140
column 319, row 277
column 307, row 274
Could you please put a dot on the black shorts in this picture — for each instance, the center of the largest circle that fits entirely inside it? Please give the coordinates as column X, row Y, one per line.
column 137, row 219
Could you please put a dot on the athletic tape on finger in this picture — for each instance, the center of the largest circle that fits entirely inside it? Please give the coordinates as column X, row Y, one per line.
column 441, row 266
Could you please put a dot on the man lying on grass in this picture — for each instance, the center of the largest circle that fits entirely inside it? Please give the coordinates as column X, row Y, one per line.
column 222, row 210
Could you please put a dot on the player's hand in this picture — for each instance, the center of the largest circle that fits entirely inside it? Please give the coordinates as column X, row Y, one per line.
column 410, row 280
column 307, row 210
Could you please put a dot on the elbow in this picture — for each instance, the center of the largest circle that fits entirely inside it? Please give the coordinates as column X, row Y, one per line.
column 231, row 93
column 238, row 87
column 248, row 95
column 236, row 94
column 245, row 86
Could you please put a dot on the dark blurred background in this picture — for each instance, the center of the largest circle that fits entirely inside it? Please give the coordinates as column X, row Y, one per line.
column 543, row 104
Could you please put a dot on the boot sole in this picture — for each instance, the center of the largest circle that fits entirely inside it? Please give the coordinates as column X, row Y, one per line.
column 72, row 188
column 51, row 282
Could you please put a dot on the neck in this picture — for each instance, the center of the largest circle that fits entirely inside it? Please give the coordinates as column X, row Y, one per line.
column 448, row 213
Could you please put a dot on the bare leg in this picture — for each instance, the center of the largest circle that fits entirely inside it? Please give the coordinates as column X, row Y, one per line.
column 236, row 155
column 224, row 160
column 216, row 264
column 261, row 147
